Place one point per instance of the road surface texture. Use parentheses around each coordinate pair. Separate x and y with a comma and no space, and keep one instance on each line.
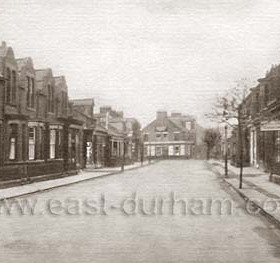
(137,216)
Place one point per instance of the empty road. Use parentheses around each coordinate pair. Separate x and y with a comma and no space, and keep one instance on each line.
(172,211)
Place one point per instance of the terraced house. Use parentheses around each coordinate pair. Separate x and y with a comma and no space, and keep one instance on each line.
(39,134)
(45,135)
(124,136)
(261,127)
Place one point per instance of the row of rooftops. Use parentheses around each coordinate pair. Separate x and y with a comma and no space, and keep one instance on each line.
(40,74)
(272,75)
(115,117)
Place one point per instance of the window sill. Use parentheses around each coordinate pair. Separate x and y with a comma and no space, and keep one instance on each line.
(35,161)
(58,159)
(10,104)
(13,162)
(10,162)
(31,109)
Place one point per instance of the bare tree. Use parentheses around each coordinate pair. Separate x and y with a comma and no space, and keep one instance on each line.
(228,109)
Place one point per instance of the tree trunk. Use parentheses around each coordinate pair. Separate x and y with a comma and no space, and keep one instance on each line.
(240,135)
(208,152)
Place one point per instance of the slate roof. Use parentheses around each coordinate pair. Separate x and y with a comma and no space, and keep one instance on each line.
(42,73)
(6,51)
(114,131)
(21,62)
(83,102)
(162,125)
(3,51)
(100,128)
(40,76)
(61,82)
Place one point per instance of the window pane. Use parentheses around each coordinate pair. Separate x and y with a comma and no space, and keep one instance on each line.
(177,150)
(12,149)
(13,141)
(31,145)
(188,125)
(52,143)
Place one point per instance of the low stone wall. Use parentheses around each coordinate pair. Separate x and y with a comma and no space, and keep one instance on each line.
(32,169)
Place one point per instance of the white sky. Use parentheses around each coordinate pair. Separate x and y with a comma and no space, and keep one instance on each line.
(143,55)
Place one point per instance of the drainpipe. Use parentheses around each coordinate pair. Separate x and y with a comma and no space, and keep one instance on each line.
(123,155)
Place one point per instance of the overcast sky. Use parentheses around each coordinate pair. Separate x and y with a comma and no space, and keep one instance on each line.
(144,55)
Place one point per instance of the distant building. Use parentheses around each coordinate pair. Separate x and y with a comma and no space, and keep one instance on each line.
(133,131)
(83,110)
(173,136)
(124,136)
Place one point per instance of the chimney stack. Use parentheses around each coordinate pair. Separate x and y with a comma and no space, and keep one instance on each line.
(3,44)
(161,115)
(105,109)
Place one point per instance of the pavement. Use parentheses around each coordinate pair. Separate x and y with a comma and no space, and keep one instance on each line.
(129,217)
(84,175)
(257,188)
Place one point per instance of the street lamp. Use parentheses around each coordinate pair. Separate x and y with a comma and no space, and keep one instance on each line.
(142,153)
(150,151)
(226,151)
(225,114)
(123,157)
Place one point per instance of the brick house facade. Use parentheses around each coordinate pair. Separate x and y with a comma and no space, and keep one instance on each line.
(172,136)
(39,134)
(124,137)
(261,124)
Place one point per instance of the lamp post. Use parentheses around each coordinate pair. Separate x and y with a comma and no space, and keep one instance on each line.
(123,157)
(225,114)
(142,153)
(150,151)
(226,151)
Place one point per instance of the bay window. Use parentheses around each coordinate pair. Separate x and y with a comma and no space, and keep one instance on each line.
(188,125)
